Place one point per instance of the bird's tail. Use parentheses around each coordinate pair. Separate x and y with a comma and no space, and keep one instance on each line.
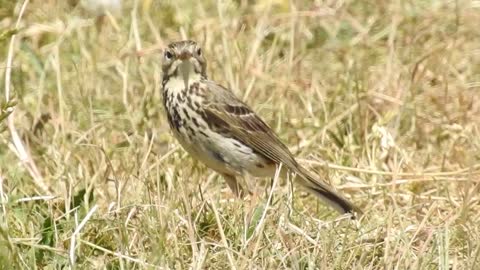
(322,190)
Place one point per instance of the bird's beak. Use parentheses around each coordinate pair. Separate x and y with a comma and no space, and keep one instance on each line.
(185,66)
(185,55)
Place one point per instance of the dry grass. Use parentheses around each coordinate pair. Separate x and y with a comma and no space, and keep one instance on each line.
(381,98)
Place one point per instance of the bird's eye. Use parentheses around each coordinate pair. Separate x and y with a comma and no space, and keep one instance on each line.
(199,52)
(168,55)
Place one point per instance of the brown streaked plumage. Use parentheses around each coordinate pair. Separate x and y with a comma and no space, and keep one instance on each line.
(218,129)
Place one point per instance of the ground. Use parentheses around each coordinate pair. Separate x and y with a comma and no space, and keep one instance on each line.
(380,99)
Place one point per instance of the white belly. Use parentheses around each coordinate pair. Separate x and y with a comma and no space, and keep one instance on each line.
(227,155)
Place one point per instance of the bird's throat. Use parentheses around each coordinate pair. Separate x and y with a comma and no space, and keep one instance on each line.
(182,79)
(185,69)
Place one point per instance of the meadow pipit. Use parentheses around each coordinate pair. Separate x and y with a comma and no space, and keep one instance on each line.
(218,129)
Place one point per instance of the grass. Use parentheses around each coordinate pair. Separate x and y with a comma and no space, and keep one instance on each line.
(380,99)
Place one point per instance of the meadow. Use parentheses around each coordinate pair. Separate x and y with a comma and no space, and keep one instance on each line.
(379,98)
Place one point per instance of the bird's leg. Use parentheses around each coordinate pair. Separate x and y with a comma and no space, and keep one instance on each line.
(252,203)
(233,184)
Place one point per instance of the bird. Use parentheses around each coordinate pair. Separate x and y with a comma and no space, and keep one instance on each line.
(223,132)
(100,9)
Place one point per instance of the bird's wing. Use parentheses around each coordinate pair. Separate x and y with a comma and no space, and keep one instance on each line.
(228,114)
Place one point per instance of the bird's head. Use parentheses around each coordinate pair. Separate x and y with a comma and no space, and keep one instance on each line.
(183,60)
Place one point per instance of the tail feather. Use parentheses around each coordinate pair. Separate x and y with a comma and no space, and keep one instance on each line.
(326,193)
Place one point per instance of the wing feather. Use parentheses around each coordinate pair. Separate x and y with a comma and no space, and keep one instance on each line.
(240,121)
(229,115)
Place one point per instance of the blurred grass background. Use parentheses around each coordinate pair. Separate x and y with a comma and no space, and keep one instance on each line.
(381,98)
